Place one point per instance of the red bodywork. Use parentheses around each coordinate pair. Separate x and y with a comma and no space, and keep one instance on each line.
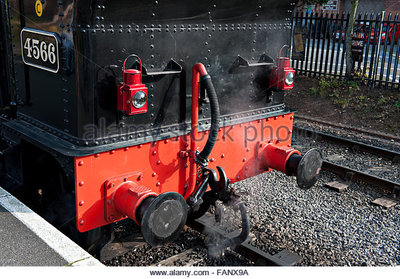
(164,166)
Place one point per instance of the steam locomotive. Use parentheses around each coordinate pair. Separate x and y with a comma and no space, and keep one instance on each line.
(147,110)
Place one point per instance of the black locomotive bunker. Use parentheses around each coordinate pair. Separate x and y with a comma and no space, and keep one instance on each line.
(52,114)
(74,110)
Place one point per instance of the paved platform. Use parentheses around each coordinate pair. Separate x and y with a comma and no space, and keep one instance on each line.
(26,239)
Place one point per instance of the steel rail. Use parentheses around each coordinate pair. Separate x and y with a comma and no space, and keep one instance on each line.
(354,145)
(349,174)
(368,132)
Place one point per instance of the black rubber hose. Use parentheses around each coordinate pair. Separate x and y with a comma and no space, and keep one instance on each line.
(212,137)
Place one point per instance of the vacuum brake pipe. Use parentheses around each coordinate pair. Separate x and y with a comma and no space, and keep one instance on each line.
(199,73)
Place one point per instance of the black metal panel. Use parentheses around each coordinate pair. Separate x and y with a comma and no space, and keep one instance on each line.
(44,97)
(6,80)
(78,104)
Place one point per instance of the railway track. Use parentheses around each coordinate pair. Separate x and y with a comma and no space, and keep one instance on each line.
(349,128)
(351,174)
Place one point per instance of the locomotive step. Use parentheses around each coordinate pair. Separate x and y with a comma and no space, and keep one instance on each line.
(28,240)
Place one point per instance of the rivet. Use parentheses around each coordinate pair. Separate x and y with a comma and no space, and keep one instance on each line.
(81,222)
(126,148)
(238,177)
(166,141)
(81,203)
(153,174)
(212,159)
(247,149)
(244,160)
(125,179)
(81,183)
(289,145)
(96,155)
(266,119)
(158,162)
(140,145)
(158,184)
(112,151)
(140,177)
(291,117)
(80,163)
(186,165)
(222,155)
(154,152)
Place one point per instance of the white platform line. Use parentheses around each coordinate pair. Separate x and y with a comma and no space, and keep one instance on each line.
(64,246)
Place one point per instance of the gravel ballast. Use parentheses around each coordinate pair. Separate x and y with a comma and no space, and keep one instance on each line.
(322,226)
